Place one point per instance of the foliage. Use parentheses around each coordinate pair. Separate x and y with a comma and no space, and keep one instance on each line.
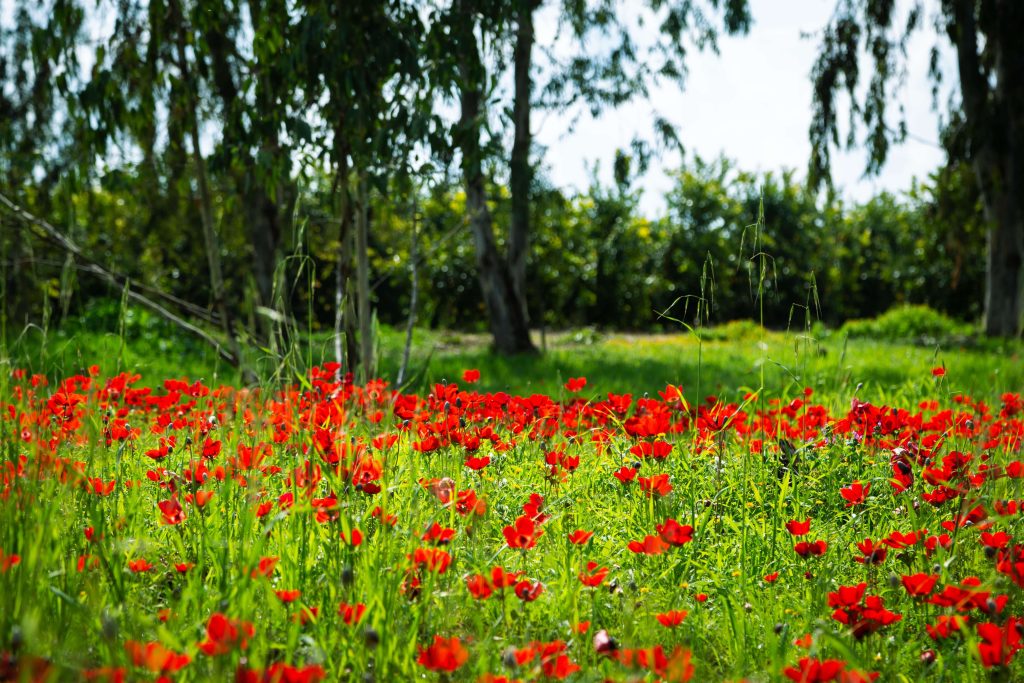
(908,323)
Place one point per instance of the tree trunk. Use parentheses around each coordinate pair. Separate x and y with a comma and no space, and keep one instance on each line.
(345,350)
(414,276)
(993,110)
(206,205)
(520,178)
(1003,282)
(366,364)
(504,309)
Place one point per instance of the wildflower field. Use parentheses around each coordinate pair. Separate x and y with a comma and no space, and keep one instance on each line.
(171,529)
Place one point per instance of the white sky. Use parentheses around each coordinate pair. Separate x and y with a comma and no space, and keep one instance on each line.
(751,103)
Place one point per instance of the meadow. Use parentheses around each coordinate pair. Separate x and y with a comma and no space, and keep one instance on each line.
(727,504)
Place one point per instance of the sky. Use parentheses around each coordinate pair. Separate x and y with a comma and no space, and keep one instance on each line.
(752,103)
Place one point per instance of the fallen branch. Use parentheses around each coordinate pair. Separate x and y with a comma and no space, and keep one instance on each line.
(117,279)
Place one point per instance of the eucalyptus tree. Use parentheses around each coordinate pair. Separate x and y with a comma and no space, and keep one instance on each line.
(361,72)
(479,34)
(985,122)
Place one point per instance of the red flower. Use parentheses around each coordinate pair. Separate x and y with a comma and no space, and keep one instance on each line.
(672,618)
(939,372)
(524,534)
(438,534)
(919,584)
(870,553)
(354,539)
(575,384)
(351,614)
(651,545)
(658,484)
(805,549)
(288,595)
(625,474)
(945,625)
(855,494)
(444,654)
(1000,539)
(502,579)
(528,591)
(265,567)
(171,511)
(771,578)
(580,537)
(433,559)
(224,635)
(1000,644)
(471,376)
(798,528)
(140,565)
(814,670)
(594,576)
(674,533)
(478,586)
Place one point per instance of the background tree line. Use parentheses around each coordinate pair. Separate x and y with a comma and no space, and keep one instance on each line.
(241,165)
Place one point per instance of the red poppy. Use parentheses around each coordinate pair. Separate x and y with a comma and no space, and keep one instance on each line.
(140,565)
(479,587)
(470,376)
(288,595)
(502,579)
(672,618)
(771,578)
(919,584)
(855,494)
(265,567)
(798,528)
(580,537)
(813,670)
(674,533)
(224,635)
(806,549)
(172,511)
(656,485)
(528,591)
(351,614)
(524,534)
(575,384)
(444,654)
(625,474)
(438,534)
(594,576)
(870,553)
(651,545)
(432,559)
(945,625)
(999,643)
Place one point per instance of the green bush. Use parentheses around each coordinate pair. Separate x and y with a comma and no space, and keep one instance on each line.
(919,324)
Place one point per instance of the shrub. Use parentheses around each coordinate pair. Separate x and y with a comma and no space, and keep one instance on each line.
(917,324)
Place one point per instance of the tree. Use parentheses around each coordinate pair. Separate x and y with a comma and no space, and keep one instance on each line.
(601,79)
(361,71)
(987,123)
